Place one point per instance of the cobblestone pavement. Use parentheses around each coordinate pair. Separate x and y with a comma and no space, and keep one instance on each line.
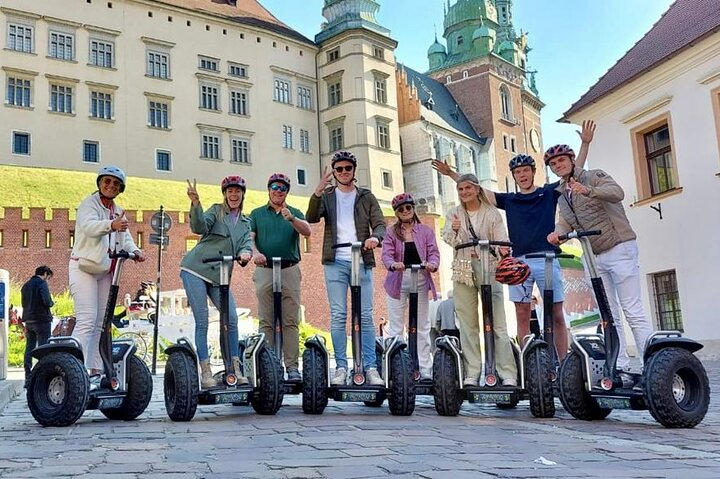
(354,441)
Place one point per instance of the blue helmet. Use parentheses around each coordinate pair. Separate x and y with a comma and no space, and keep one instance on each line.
(521,160)
(113,171)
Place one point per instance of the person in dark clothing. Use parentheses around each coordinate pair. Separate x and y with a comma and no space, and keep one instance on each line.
(36,302)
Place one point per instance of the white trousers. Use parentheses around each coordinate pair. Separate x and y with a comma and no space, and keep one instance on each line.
(398,319)
(90,294)
(620,272)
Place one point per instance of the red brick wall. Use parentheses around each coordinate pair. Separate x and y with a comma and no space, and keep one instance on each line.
(21,261)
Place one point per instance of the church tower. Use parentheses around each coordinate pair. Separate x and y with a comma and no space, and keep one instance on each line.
(485,68)
(357,94)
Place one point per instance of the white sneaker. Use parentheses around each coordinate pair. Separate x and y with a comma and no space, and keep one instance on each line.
(509,382)
(469,381)
(425,374)
(373,378)
(339,378)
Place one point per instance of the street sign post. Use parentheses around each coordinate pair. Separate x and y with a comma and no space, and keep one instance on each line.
(161,224)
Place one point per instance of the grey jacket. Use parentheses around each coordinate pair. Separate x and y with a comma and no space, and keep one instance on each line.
(601,210)
(369,221)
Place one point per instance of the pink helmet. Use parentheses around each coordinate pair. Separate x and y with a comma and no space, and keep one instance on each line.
(232,180)
(281,177)
(402,199)
(559,150)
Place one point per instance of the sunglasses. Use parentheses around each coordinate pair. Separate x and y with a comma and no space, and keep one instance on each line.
(404,208)
(347,168)
(279,187)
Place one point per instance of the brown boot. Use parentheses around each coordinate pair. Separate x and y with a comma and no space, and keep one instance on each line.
(207,381)
(242,380)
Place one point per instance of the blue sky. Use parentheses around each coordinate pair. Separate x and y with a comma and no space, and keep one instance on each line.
(574,42)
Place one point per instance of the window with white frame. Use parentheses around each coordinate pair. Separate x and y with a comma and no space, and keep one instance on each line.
(238,102)
(207,63)
(240,150)
(20,143)
(20,37)
(304,97)
(301,177)
(102,53)
(379,52)
(380,89)
(287,136)
(158,114)
(282,91)
(158,65)
(61,98)
(387,179)
(335,93)
(209,96)
(333,54)
(101,105)
(61,45)
(163,160)
(19,92)
(304,141)
(383,135)
(237,70)
(91,151)
(210,146)
(336,138)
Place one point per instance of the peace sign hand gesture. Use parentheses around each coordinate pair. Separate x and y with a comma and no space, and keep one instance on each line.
(192,192)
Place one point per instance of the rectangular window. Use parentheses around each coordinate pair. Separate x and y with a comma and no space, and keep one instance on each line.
(101,105)
(158,114)
(61,46)
(335,93)
(380,90)
(287,136)
(301,177)
(304,141)
(210,147)
(25,238)
(238,102)
(240,150)
(162,160)
(379,52)
(336,139)
(333,55)
(101,53)
(659,158)
(91,151)
(206,63)
(282,91)
(48,239)
(505,142)
(238,70)
(19,92)
(158,65)
(383,132)
(387,179)
(304,98)
(668,313)
(512,144)
(61,99)
(20,38)
(20,143)
(209,97)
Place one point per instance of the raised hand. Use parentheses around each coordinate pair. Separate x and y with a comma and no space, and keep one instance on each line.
(325,180)
(577,188)
(442,167)
(192,192)
(119,224)
(456,223)
(588,131)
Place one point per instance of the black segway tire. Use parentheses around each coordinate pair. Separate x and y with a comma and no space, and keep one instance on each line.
(447,391)
(402,386)
(139,393)
(180,386)
(677,388)
(573,394)
(315,382)
(538,384)
(59,390)
(268,397)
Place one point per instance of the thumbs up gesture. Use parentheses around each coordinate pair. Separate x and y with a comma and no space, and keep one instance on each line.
(456,223)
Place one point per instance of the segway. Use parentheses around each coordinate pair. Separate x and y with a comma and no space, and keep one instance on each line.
(182,383)
(59,391)
(448,389)
(398,388)
(423,387)
(674,385)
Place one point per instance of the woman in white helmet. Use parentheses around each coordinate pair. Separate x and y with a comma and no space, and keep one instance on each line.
(100,227)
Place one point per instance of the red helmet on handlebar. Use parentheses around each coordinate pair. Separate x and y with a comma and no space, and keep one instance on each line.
(512,271)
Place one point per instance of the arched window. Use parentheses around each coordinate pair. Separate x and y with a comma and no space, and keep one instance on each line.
(506,103)
(460,40)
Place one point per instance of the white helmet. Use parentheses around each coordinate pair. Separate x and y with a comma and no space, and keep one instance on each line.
(113,171)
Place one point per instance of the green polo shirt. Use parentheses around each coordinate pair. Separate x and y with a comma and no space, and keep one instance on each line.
(274,235)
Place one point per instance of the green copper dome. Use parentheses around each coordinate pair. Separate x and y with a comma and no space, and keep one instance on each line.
(483,32)
(437,47)
(464,11)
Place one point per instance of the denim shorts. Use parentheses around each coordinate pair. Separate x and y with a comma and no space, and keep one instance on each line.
(522,293)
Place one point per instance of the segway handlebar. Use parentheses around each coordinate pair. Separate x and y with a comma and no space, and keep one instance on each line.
(579,234)
(220,259)
(479,242)
(122,254)
(552,255)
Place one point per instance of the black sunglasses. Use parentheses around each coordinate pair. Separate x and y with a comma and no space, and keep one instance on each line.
(405,207)
(340,169)
(279,187)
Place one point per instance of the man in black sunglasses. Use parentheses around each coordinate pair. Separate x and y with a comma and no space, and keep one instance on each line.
(276,228)
(351,214)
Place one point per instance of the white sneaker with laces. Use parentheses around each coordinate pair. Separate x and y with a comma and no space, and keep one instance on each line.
(470,381)
(340,377)
(509,382)
(373,378)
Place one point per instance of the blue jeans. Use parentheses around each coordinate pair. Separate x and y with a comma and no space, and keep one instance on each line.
(337,282)
(197,291)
